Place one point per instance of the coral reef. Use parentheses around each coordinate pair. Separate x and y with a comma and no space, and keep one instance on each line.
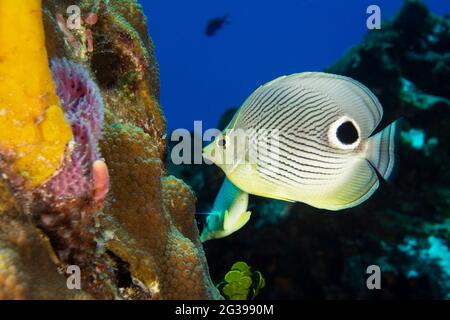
(151,219)
(304,252)
(141,242)
(27,267)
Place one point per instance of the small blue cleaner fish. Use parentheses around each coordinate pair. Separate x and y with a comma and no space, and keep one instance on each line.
(327,155)
(229,213)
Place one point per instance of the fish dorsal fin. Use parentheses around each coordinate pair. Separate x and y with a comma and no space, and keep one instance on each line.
(352,98)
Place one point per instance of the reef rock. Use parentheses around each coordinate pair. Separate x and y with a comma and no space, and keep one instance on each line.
(143,242)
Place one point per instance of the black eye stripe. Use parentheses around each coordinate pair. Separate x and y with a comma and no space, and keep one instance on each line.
(222,142)
(347,133)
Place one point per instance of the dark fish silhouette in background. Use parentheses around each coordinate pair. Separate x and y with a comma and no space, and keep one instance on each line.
(215,25)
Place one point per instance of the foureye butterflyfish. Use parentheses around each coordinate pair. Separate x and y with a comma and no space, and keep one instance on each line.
(308,137)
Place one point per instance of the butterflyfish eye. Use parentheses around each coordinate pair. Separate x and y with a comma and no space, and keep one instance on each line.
(222,142)
(347,133)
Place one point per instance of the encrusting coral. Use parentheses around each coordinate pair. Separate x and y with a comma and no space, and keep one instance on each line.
(142,241)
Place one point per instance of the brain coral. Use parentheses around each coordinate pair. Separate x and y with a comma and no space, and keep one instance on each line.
(143,243)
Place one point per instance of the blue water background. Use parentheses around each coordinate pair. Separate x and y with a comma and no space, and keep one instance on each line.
(203,76)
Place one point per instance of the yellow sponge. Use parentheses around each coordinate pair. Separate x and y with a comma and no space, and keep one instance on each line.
(32,124)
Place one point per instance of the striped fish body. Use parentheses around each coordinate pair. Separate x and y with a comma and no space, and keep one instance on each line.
(308,137)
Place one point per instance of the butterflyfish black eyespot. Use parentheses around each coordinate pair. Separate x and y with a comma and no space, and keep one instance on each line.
(347,133)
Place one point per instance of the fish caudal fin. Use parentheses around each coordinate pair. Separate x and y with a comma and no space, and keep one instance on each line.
(381,151)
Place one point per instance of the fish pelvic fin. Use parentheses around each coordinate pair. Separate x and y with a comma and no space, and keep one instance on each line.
(382,150)
(233,224)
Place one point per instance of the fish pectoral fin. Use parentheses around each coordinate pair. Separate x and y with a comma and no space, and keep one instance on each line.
(234,223)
